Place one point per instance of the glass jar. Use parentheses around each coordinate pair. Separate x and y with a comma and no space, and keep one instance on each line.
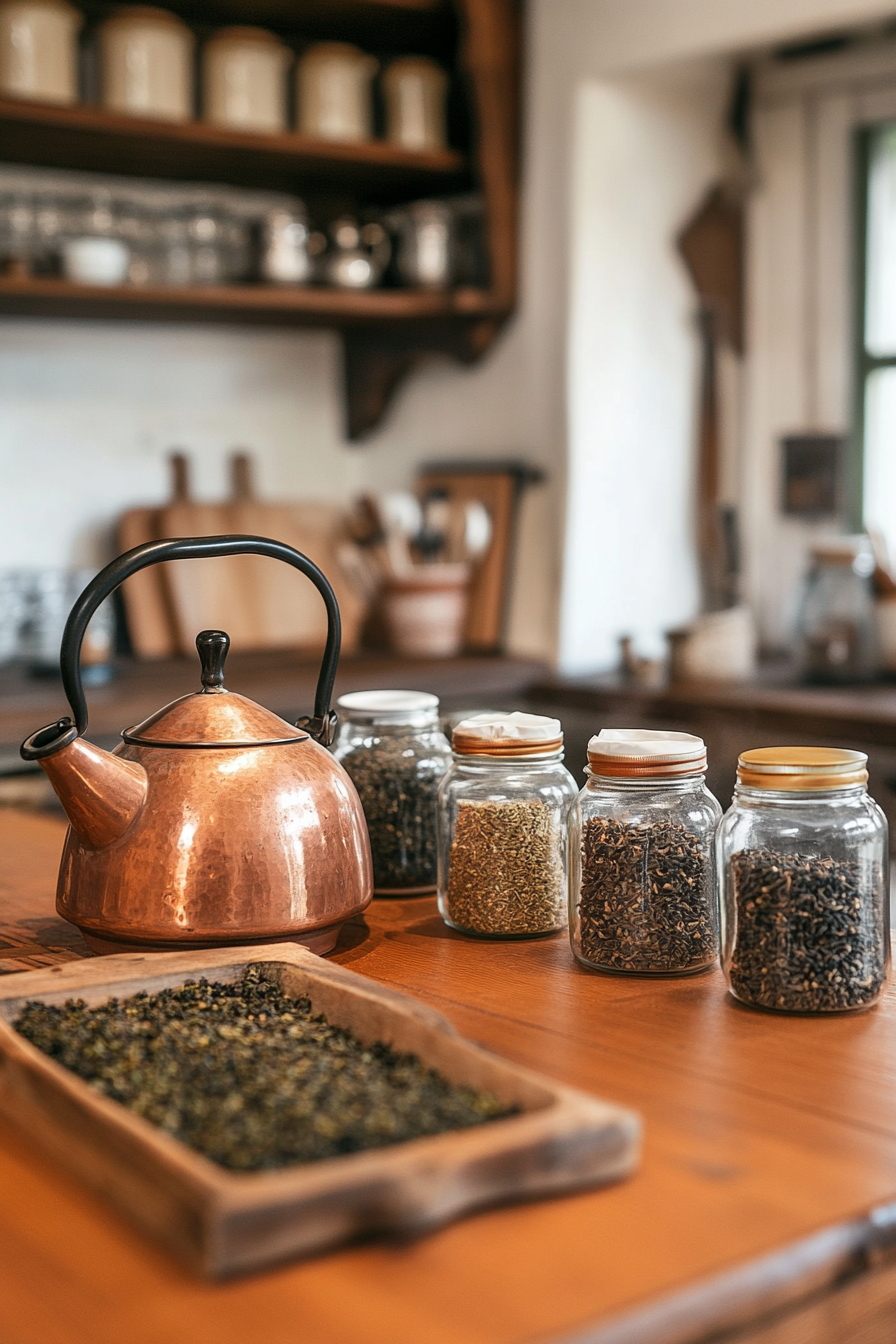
(391,745)
(642,896)
(803,869)
(837,627)
(502,827)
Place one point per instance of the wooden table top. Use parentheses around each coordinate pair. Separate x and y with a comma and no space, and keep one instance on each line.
(765,1205)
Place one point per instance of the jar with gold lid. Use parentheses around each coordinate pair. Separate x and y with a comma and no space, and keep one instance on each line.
(641,875)
(502,827)
(803,870)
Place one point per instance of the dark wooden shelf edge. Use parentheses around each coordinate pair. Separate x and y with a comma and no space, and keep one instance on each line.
(96,139)
(262,304)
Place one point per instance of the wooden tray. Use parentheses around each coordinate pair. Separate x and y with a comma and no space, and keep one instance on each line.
(220,1222)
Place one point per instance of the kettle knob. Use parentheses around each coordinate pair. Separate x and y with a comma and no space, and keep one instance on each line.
(212,646)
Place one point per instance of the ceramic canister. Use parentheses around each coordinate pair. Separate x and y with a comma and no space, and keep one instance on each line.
(39,50)
(243,79)
(415,89)
(333,92)
(147,64)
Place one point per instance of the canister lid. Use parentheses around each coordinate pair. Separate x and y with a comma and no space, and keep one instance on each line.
(398,707)
(495,733)
(802,768)
(645,753)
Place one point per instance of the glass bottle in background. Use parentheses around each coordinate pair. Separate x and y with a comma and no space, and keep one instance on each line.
(642,896)
(502,827)
(837,626)
(392,746)
(803,867)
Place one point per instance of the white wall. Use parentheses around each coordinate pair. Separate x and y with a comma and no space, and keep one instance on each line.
(629,562)
(91,410)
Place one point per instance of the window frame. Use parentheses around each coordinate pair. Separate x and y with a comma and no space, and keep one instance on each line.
(865,363)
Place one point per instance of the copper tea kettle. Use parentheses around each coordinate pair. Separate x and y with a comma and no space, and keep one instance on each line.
(215,821)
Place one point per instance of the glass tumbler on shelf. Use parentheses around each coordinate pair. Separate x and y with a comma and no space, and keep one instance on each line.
(206,253)
(391,745)
(174,249)
(18,231)
(502,827)
(803,870)
(642,896)
(50,223)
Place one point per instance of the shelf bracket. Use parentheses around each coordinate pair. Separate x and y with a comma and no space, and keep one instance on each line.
(377,359)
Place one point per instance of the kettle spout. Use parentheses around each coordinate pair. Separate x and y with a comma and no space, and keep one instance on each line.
(100,793)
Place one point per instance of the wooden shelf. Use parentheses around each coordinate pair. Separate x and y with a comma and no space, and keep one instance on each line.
(92,138)
(385,333)
(262,304)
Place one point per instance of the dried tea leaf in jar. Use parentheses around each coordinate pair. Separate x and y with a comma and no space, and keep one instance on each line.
(391,745)
(502,827)
(803,865)
(642,882)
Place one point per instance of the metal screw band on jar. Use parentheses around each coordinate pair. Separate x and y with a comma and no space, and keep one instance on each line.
(634,753)
(515,735)
(802,769)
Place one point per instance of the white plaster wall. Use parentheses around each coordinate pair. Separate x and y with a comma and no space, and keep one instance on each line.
(629,563)
(91,410)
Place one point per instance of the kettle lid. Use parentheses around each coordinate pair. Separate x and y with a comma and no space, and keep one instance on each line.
(213,717)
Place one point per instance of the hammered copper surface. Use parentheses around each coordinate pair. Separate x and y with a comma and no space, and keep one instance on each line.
(101,794)
(214,716)
(203,845)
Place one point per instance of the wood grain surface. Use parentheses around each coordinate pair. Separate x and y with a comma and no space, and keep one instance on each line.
(765,1209)
(261,603)
(221,1222)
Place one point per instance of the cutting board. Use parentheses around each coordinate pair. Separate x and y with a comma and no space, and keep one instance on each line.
(261,603)
(220,1223)
(498,487)
(146,599)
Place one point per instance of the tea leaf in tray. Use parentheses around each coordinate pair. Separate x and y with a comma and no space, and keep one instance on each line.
(250,1077)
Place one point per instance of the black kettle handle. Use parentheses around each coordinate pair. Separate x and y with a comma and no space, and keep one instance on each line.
(322,726)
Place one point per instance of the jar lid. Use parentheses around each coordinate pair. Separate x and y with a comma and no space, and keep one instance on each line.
(389,706)
(802,768)
(495,733)
(645,753)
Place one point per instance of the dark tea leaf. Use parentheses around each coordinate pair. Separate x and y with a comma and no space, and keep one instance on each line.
(250,1077)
